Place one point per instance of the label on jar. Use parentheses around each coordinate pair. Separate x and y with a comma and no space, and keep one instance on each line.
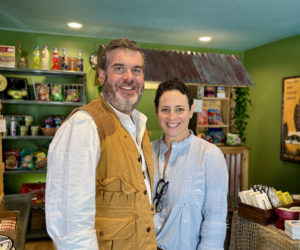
(2,125)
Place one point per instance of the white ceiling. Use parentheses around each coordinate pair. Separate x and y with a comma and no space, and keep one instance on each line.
(233,24)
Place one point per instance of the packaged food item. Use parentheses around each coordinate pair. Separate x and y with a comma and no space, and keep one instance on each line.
(53,121)
(7,56)
(221,92)
(202,117)
(210,91)
(72,95)
(57,93)
(42,91)
(36,189)
(26,156)
(49,122)
(217,135)
(233,139)
(40,159)
(57,121)
(214,117)
(12,158)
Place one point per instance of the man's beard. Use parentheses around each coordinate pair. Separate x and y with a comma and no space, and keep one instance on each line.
(118,101)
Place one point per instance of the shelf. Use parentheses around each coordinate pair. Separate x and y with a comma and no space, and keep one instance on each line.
(54,73)
(213,126)
(41,102)
(215,98)
(27,137)
(34,171)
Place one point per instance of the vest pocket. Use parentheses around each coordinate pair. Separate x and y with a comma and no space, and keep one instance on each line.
(114,193)
(115,233)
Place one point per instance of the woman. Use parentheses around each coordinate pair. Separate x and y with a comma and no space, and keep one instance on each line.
(190,180)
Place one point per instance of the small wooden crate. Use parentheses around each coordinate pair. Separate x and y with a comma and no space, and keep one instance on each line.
(260,216)
(10,215)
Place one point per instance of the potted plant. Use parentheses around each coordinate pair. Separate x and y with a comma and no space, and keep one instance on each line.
(240,115)
(23,60)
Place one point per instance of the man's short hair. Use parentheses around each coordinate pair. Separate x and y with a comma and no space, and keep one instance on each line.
(120,43)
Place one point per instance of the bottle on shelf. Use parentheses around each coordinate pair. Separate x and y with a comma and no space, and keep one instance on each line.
(72,62)
(80,61)
(36,58)
(13,126)
(55,59)
(64,60)
(45,58)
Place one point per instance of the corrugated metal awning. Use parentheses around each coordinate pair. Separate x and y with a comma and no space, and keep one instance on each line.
(201,68)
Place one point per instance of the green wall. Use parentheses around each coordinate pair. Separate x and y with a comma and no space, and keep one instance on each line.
(267,65)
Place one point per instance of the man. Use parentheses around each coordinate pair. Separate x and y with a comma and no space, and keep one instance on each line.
(100,169)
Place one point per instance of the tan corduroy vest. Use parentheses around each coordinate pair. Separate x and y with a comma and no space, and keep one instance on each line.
(124,216)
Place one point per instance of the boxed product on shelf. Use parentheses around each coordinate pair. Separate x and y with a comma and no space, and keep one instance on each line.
(7,56)
(221,92)
(210,91)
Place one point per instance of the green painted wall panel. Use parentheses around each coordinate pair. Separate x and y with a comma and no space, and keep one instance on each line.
(267,65)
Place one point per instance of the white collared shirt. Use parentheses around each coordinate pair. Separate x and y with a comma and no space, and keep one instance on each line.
(70,190)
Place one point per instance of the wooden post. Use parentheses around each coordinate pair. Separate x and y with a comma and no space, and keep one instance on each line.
(1,163)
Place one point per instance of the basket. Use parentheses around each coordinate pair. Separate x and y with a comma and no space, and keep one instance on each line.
(48,131)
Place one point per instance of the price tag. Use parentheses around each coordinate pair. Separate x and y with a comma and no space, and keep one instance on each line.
(2,125)
(198,105)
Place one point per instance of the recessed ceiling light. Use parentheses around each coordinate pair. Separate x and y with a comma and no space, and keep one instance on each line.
(75,25)
(204,38)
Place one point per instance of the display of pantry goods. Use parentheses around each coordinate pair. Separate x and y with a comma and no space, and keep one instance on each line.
(41,58)
(265,197)
(25,159)
(57,92)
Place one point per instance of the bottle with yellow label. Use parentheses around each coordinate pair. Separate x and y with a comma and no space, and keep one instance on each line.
(36,58)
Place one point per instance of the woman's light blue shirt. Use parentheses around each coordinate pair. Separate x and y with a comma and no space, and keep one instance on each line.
(194,209)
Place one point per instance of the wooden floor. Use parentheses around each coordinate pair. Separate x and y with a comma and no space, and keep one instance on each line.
(39,245)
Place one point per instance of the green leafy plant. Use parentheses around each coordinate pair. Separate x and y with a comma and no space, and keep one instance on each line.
(240,115)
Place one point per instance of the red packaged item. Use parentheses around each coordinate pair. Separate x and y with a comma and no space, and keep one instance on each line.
(37,190)
(202,117)
(12,158)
